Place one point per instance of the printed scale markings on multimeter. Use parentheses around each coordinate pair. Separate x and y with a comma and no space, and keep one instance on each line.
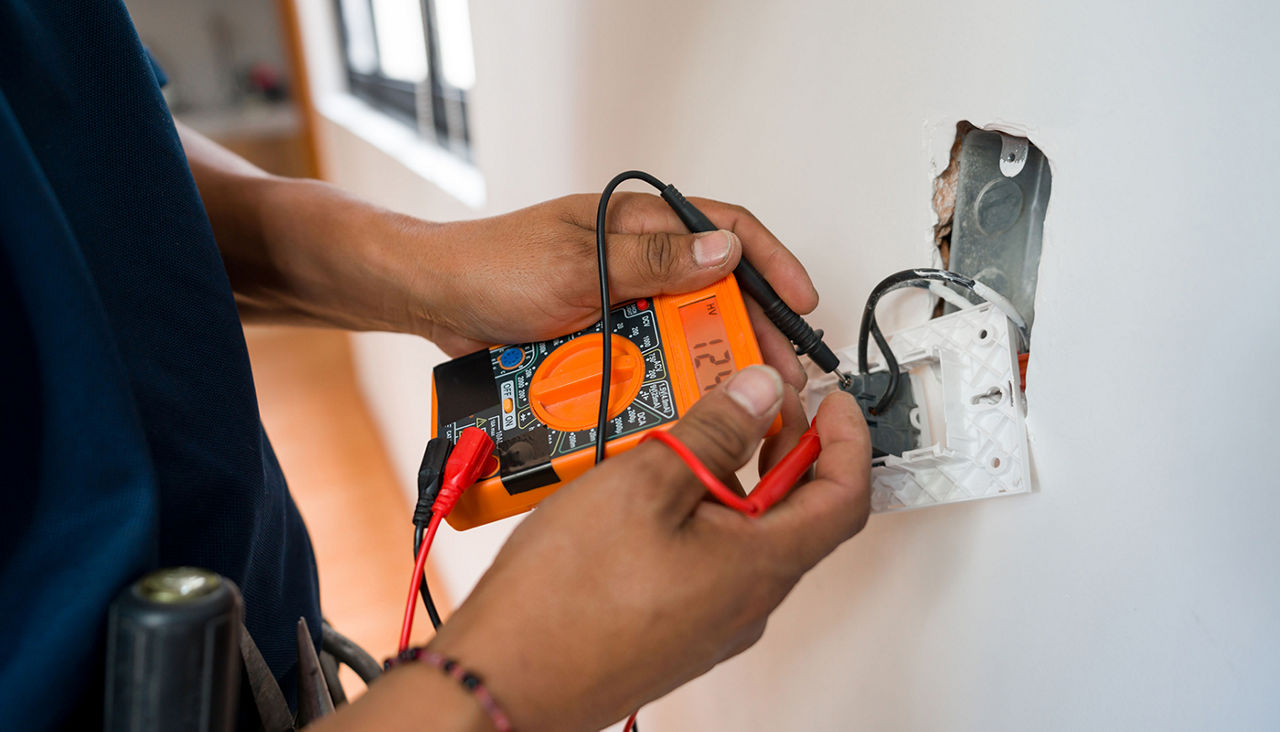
(540,401)
(514,368)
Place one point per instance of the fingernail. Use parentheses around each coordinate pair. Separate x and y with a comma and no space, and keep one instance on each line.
(712,248)
(757,388)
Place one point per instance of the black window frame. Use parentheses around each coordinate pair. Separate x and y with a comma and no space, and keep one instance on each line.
(439,110)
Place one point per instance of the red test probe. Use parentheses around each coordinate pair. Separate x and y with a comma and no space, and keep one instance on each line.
(773,486)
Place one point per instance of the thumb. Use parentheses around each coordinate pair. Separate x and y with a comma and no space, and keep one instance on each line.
(722,429)
(641,265)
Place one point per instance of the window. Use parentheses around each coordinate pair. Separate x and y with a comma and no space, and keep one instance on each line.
(412,59)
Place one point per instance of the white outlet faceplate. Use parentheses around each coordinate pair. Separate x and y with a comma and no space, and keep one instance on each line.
(970,412)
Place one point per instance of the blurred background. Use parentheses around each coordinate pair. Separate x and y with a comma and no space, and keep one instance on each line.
(1134,589)
(233,75)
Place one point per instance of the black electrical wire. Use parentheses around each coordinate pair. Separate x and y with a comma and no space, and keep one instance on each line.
(891,364)
(869,327)
(606,321)
(423,590)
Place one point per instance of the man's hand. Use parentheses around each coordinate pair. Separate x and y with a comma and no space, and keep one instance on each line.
(628,582)
(304,251)
(532,274)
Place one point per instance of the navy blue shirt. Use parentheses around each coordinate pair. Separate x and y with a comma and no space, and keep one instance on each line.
(129,432)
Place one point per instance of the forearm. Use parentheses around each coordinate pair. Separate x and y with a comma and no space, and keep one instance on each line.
(302,251)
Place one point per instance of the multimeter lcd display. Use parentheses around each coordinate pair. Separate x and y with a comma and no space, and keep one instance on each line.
(708,343)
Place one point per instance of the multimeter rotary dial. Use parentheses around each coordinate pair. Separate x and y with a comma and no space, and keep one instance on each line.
(564,392)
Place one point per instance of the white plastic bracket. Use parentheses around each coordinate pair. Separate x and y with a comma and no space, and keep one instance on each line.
(970,412)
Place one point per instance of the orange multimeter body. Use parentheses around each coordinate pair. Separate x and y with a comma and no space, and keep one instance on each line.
(540,401)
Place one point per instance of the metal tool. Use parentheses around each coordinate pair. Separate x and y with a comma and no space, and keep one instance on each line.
(314,700)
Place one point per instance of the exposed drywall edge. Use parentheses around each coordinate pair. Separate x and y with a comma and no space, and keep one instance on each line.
(943,200)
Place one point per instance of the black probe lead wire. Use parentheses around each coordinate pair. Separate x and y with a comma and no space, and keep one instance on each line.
(606,321)
(423,590)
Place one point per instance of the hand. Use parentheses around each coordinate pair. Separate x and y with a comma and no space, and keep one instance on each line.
(627,583)
(532,274)
(305,252)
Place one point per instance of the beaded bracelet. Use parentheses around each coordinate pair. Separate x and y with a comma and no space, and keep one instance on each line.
(469,681)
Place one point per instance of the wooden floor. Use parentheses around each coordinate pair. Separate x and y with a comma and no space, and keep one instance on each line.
(341,479)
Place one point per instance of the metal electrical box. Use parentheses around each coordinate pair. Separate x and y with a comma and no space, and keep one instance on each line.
(1002,192)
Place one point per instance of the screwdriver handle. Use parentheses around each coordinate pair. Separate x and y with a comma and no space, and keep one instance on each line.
(173,653)
(806,340)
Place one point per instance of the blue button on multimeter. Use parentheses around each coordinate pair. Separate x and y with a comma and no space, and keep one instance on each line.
(511,358)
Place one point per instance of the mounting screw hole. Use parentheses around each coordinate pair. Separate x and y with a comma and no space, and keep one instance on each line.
(982,334)
(995,462)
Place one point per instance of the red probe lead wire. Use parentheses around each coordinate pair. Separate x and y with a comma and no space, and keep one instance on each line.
(420,566)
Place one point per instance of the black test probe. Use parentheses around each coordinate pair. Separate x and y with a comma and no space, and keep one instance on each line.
(806,340)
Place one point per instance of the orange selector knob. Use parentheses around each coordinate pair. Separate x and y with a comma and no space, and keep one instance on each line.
(565,391)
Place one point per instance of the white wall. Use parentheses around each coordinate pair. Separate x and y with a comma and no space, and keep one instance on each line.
(1138,587)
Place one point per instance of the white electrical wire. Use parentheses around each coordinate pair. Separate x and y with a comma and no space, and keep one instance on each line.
(1005,306)
(949,295)
(1000,302)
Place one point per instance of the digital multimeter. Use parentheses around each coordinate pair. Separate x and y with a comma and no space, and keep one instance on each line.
(540,401)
